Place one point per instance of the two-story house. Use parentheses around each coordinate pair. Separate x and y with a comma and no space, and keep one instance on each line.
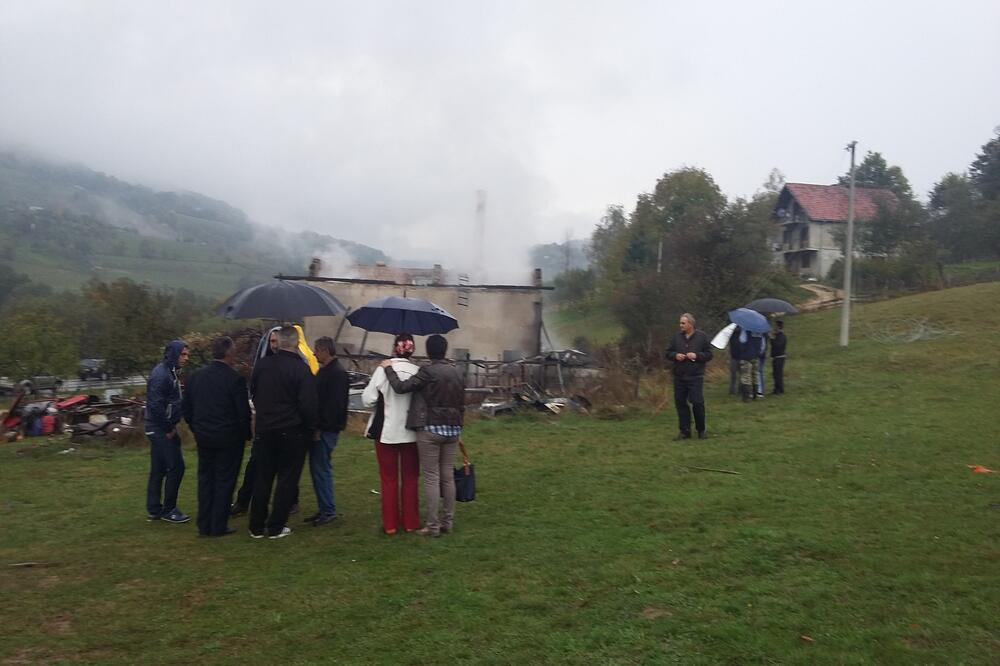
(807,216)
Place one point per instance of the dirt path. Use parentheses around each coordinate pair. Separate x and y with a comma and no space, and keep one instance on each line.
(824,297)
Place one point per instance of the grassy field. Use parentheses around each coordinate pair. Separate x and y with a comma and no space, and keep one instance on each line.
(854,533)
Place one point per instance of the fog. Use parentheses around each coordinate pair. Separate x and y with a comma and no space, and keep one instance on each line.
(378,121)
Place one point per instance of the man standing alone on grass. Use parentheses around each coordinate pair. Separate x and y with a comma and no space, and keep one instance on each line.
(332,390)
(689,351)
(778,345)
(284,394)
(163,412)
(436,414)
(217,408)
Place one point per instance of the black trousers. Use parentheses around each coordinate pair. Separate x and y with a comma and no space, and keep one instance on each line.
(778,374)
(218,468)
(245,493)
(690,389)
(280,455)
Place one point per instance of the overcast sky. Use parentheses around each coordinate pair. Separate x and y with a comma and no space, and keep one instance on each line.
(378,121)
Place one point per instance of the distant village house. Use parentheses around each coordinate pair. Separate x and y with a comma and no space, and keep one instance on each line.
(807,216)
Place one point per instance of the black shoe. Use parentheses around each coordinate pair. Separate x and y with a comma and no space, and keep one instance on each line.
(702,434)
(312,518)
(682,435)
(229,530)
(176,516)
(324,519)
(237,510)
(294,510)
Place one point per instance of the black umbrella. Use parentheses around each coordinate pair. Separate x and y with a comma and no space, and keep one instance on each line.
(282,300)
(771,305)
(397,315)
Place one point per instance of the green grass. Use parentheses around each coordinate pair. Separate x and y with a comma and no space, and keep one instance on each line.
(599,326)
(853,522)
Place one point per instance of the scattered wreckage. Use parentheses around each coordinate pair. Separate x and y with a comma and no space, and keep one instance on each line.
(80,416)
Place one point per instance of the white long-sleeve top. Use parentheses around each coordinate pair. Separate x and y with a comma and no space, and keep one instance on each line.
(397,405)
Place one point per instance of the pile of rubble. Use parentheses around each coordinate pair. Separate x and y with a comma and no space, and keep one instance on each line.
(80,416)
(530,397)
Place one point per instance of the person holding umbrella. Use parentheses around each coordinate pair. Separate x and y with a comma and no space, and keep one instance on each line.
(778,344)
(689,351)
(395,444)
(436,415)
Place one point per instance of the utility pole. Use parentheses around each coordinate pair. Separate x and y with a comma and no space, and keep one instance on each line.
(845,312)
(480,273)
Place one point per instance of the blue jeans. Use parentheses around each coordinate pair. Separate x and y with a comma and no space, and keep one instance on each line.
(166,469)
(321,471)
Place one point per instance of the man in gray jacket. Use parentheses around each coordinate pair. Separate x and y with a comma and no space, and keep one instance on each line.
(436,414)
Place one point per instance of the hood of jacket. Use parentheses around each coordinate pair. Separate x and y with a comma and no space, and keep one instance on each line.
(172,352)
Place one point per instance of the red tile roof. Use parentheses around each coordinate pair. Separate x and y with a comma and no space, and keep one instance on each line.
(828,203)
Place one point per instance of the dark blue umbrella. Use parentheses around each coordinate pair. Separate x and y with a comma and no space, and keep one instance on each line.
(396,315)
(749,320)
(769,305)
(282,300)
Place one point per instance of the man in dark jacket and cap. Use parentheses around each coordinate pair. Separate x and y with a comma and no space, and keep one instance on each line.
(163,412)
(217,407)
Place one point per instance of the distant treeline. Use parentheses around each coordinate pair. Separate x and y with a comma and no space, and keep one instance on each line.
(686,247)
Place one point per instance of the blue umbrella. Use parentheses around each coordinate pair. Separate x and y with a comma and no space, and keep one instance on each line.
(396,315)
(749,320)
(282,300)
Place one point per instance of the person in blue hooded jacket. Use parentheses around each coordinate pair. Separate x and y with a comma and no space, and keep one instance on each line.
(163,411)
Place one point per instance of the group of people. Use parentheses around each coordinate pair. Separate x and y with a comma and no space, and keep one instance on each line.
(296,404)
(748,358)
(690,350)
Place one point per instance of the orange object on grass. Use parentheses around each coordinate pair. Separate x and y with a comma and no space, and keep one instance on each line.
(979,469)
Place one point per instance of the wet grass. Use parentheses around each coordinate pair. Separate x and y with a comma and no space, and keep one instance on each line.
(854,533)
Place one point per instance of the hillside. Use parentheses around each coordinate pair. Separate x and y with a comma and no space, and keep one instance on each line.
(63,224)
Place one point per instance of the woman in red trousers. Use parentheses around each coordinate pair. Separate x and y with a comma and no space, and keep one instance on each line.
(395,446)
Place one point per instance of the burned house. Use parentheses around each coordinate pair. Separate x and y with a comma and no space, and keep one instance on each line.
(497,322)
(809,218)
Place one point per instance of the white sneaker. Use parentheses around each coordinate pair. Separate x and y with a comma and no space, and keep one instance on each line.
(256,536)
(285,531)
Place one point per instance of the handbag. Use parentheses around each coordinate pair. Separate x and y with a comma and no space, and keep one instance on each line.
(378,421)
(465,478)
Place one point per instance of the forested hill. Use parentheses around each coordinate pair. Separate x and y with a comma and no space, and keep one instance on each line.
(62,224)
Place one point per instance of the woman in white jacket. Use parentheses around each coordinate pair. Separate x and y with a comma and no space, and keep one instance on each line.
(395,446)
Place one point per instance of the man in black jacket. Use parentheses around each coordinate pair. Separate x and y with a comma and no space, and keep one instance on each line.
(778,345)
(689,351)
(436,413)
(284,395)
(218,411)
(332,390)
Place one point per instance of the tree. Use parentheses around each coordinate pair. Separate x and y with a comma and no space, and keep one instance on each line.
(956,219)
(985,170)
(875,172)
(606,242)
(35,343)
(574,286)
(9,282)
(134,324)
(892,226)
